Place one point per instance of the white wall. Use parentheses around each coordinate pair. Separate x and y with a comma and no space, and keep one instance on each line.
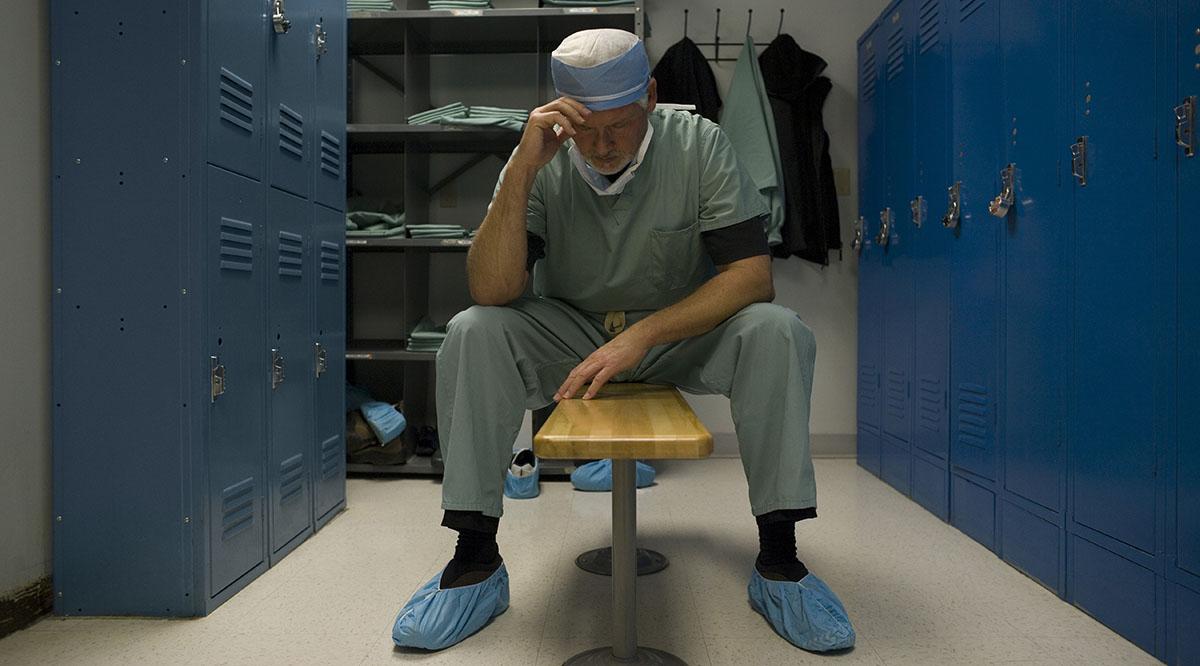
(24,297)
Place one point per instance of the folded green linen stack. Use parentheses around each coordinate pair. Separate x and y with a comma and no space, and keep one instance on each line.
(460,4)
(371,224)
(426,337)
(454,110)
(436,231)
(587,3)
(369,5)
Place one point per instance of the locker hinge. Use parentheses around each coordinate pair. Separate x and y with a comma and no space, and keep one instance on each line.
(216,378)
(277,371)
(1004,201)
(953,206)
(322,360)
(279,17)
(885,227)
(860,231)
(1079,160)
(322,41)
(1185,125)
(920,210)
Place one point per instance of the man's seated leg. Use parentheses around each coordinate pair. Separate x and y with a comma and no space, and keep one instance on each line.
(762,359)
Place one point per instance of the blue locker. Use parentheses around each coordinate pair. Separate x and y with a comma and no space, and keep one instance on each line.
(1038,251)
(872,185)
(292,368)
(1118,306)
(329,111)
(975,269)
(1184,496)
(235,233)
(291,55)
(236,85)
(329,309)
(930,252)
(894,241)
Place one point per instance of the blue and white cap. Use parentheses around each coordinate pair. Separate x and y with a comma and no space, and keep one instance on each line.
(603,68)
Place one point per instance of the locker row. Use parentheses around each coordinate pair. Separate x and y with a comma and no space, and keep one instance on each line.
(199,309)
(1029,321)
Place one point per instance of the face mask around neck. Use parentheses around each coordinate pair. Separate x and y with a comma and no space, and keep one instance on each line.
(598,181)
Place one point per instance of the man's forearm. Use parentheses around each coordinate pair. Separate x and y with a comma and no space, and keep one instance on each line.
(496,261)
(715,301)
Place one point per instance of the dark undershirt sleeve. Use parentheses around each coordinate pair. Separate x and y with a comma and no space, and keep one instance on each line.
(535,248)
(735,242)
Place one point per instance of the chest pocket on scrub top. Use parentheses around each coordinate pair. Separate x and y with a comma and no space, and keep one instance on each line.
(675,257)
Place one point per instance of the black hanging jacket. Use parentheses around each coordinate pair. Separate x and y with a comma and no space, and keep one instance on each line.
(797,92)
(684,77)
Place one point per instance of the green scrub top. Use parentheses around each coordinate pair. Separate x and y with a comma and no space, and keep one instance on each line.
(640,250)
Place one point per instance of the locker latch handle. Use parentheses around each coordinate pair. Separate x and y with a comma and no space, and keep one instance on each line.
(1003,202)
(322,41)
(1185,125)
(953,206)
(1079,160)
(322,360)
(277,369)
(860,231)
(216,378)
(279,17)
(920,210)
(885,227)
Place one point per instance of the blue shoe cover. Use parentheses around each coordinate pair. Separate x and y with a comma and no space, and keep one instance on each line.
(521,479)
(597,475)
(807,613)
(435,618)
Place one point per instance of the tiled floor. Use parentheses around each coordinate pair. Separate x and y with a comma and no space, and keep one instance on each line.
(918,591)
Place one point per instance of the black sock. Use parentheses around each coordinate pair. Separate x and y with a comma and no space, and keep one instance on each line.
(777,548)
(476,557)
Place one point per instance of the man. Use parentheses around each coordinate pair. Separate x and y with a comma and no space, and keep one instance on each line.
(649,263)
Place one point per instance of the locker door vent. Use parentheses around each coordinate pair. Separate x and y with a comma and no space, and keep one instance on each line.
(237,245)
(331,455)
(897,395)
(331,261)
(291,254)
(929,18)
(869,77)
(968,7)
(930,404)
(895,61)
(291,132)
(237,101)
(291,478)
(237,508)
(868,386)
(973,415)
(331,155)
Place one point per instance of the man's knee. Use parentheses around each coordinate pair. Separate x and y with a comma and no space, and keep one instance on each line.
(478,321)
(770,324)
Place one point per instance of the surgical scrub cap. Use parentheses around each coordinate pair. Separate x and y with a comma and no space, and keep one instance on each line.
(602,68)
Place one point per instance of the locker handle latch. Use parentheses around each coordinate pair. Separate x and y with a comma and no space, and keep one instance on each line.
(216,378)
(920,210)
(1185,125)
(277,369)
(322,360)
(885,227)
(953,206)
(860,231)
(1004,201)
(279,17)
(1079,160)
(322,41)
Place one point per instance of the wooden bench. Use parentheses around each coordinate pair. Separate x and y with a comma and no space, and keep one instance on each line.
(624,422)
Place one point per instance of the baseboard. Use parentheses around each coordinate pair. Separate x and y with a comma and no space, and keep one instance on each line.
(725,445)
(25,606)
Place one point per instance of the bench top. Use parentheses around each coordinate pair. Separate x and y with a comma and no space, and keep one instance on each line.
(643,421)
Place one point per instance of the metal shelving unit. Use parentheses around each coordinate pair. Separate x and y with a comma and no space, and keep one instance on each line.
(417,33)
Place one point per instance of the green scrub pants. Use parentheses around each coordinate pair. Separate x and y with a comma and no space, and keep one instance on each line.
(497,362)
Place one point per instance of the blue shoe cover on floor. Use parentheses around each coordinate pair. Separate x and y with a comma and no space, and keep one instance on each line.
(521,479)
(435,618)
(807,613)
(597,475)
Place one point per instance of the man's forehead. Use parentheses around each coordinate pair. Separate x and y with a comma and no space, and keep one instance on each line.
(599,119)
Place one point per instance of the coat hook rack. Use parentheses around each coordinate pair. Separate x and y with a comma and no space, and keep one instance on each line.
(716,43)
